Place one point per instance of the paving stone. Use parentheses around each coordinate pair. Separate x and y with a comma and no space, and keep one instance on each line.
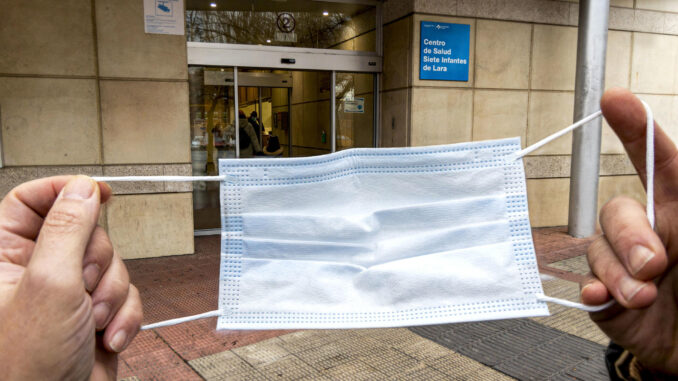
(459,367)
(262,353)
(326,356)
(288,368)
(422,372)
(225,366)
(389,361)
(577,265)
(354,371)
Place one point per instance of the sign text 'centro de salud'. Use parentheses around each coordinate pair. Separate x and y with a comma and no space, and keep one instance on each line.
(444,51)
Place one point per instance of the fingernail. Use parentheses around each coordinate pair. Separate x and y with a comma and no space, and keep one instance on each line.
(80,188)
(638,258)
(119,341)
(90,275)
(629,287)
(100,312)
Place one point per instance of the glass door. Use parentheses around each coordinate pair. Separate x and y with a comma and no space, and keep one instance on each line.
(275,113)
(354,105)
(212,117)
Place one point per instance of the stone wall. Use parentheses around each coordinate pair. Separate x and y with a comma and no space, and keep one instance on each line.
(522,77)
(84,90)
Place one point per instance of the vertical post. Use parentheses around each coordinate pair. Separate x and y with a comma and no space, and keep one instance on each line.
(333,111)
(589,87)
(289,122)
(260,117)
(379,40)
(237,110)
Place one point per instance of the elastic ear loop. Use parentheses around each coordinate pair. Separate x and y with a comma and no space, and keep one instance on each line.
(649,162)
(649,173)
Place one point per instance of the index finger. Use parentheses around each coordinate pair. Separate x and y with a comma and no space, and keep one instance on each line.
(626,115)
(23,210)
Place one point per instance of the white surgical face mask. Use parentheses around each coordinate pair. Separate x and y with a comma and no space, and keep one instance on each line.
(377,238)
(380,237)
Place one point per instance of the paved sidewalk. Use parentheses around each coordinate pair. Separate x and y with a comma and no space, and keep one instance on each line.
(565,345)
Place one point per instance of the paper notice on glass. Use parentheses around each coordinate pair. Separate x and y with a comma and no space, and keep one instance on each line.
(164,16)
(355,105)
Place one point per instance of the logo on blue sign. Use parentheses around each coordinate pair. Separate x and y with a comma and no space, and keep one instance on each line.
(444,51)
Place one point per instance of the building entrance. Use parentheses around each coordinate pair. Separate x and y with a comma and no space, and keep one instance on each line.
(277,113)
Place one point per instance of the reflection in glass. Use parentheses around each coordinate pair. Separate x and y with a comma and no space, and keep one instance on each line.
(294,23)
(355,110)
(212,117)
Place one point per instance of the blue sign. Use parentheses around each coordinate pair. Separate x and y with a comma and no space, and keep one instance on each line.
(444,51)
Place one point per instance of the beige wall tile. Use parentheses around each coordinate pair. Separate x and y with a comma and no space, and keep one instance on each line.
(153,225)
(618,59)
(397,54)
(446,7)
(125,50)
(648,21)
(547,166)
(394,118)
(550,112)
(653,66)
(622,3)
(621,18)
(415,49)
(671,23)
(441,116)
(554,57)
(614,165)
(548,201)
(145,122)
(613,186)
(394,9)
(47,121)
(10,177)
(47,37)
(134,187)
(658,5)
(499,114)
(503,56)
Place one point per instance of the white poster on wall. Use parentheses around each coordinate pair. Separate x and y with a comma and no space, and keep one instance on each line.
(164,16)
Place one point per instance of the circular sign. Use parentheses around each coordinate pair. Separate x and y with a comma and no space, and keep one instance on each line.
(286,22)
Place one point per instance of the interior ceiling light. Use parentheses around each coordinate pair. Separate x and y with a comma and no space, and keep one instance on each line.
(213,5)
(326,13)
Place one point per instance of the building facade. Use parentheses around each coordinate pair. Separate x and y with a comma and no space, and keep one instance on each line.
(84,89)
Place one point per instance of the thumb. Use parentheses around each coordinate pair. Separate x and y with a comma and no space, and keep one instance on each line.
(66,231)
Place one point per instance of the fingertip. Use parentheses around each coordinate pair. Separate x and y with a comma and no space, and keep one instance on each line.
(594,293)
(643,297)
(106,191)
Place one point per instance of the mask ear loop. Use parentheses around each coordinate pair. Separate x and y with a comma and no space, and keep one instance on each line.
(649,174)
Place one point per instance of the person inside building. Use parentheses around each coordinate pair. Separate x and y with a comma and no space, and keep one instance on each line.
(249,143)
(48,227)
(255,123)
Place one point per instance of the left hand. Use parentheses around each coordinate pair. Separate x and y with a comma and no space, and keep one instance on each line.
(60,282)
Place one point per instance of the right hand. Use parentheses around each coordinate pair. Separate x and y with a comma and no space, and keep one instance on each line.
(630,261)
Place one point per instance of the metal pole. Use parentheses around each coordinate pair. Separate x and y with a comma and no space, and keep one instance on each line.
(261,118)
(589,87)
(377,76)
(333,111)
(237,109)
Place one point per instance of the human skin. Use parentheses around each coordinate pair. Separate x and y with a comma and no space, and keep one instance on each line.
(631,262)
(66,305)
